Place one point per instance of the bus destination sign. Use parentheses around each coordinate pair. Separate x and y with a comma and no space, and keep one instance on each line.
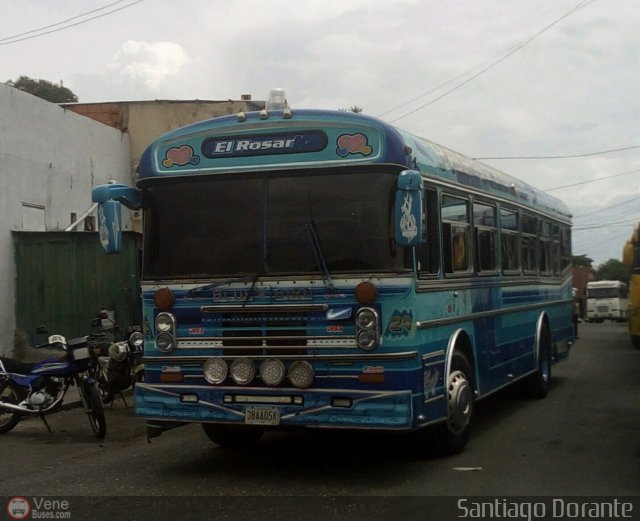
(265,144)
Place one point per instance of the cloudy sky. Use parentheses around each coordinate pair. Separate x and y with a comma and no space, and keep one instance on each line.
(550,87)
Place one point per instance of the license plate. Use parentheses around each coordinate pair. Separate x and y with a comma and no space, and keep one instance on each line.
(262,416)
(81,354)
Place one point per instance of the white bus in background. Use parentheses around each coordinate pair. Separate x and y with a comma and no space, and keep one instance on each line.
(607,299)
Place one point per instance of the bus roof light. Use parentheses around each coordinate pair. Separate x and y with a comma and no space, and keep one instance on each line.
(277,100)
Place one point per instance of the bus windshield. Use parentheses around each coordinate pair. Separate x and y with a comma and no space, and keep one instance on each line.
(616,292)
(224,225)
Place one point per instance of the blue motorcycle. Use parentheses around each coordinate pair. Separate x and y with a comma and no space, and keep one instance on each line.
(37,389)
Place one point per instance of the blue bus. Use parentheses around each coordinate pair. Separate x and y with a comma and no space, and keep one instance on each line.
(324,269)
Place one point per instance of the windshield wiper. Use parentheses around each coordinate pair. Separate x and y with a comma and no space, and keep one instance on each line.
(319,255)
(208,287)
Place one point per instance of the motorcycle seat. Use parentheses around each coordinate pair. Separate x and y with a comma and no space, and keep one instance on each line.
(15,366)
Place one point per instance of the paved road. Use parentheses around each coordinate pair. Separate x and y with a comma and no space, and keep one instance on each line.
(582,440)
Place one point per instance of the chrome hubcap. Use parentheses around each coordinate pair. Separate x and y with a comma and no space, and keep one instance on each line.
(460,402)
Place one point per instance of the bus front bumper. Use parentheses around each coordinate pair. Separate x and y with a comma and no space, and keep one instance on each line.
(166,406)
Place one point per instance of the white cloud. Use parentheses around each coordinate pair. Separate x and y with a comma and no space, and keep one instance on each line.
(151,63)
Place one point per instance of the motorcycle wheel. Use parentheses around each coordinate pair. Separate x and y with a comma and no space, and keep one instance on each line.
(96,412)
(8,419)
(99,374)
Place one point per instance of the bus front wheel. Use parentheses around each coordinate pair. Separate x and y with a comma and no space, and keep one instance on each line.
(450,437)
(537,385)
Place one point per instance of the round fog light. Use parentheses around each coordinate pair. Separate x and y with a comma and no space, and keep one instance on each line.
(301,374)
(242,371)
(272,372)
(215,370)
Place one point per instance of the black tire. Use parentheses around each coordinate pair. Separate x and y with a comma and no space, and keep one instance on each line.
(537,385)
(232,437)
(96,411)
(9,419)
(99,374)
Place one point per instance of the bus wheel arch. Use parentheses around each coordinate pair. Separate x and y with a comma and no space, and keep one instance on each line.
(450,436)
(537,384)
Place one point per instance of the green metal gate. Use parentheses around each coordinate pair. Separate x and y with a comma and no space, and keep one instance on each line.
(63,279)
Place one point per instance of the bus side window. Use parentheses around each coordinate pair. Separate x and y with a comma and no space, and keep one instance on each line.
(546,259)
(429,250)
(455,231)
(529,244)
(509,241)
(484,220)
(565,248)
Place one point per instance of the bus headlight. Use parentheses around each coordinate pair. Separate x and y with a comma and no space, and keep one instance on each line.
(165,322)
(243,371)
(215,370)
(367,328)
(165,332)
(301,374)
(165,342)
(272,372)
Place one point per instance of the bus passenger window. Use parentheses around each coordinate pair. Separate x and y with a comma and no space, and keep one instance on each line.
(484,219)
(429,250)
(455,234)
(529,244)
(565,248)
(509,240)
(546,260)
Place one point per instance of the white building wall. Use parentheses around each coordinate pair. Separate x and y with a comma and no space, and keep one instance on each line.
(50,159)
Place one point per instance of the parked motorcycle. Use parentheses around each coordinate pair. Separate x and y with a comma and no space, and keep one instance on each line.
(37,389)
(120,367)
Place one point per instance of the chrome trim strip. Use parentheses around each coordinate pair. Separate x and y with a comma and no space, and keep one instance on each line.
(264,308)
(431,179)
(275,390)
(311,342)
(435,354)
(434,399)
(423,324)
(358,400)
(160,390)
(408,355)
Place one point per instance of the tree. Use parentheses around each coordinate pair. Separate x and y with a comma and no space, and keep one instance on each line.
(44,89)
(355,109)
(613,269)
(581,260)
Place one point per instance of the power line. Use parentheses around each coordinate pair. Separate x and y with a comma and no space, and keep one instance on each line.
(17,38)
(591,180)
(503,57)
(564,156)
(605,225)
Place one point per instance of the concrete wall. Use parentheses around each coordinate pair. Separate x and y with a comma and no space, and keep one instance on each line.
(144,121)
(50,159)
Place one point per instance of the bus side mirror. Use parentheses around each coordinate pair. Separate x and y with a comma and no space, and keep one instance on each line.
(110,198)
(110,226)
(408,214)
